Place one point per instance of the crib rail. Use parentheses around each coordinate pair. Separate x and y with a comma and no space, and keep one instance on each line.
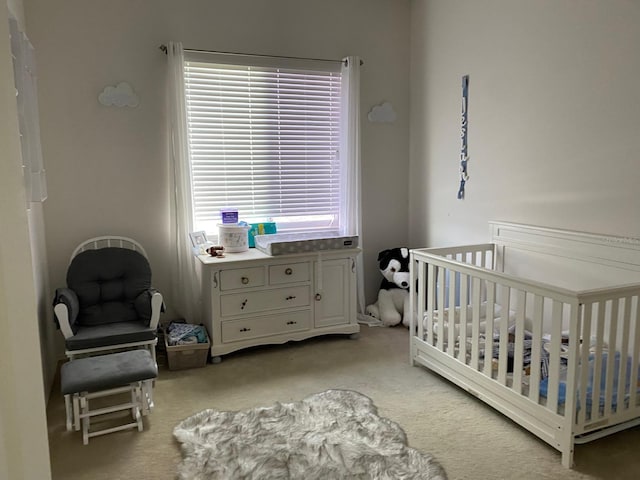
(536,352)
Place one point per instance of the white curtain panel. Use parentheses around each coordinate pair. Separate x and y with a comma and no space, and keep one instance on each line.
(185,276)
(350,208)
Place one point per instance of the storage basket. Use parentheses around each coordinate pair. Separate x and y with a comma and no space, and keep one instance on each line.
(180,357)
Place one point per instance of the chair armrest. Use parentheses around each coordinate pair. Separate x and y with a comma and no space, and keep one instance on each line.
(157,306)
(149,305)
(66,308)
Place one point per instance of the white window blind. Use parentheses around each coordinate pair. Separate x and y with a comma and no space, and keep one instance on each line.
(265,140)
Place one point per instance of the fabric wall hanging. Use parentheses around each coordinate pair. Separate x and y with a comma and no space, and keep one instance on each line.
(25,78)
(464,154)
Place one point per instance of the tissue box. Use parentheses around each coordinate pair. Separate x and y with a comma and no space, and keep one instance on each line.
(266,228)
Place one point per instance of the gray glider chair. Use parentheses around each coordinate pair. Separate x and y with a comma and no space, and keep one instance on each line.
(108,303)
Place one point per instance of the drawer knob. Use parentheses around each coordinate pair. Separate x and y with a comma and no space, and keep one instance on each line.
(291,322)
(243,304)
(245,329)
(288,271)
(290,297)
(244,280)
(318,297)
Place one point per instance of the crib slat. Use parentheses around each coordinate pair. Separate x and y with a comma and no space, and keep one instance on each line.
(503,351)
(633,395)
(464,300)
(430,300)
(442,273)
(624,352)
(418,305)
(518,352)
(554,357)
(488,332)
(451,342)
(584,362)
(596,363)
(536,349)
(414,313)
(611,359)
(475,327)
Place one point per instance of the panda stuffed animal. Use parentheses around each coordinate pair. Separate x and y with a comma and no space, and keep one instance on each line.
(392,307)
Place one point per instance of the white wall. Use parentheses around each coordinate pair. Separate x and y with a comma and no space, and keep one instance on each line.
(553,112)
(107,167)
(50,336)
(24,449)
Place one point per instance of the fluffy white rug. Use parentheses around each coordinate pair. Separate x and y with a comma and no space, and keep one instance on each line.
(335,434)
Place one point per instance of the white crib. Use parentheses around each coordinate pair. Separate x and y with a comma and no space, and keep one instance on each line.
(501,320)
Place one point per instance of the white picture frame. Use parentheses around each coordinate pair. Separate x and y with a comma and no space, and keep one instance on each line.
(198,238)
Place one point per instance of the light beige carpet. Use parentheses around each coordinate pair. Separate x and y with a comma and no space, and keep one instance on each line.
(468,438)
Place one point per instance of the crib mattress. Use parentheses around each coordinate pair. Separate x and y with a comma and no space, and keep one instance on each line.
(287,243)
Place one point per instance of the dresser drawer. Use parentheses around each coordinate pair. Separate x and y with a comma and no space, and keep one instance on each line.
(252,302)
(241,278)
(288,273)
(235,330)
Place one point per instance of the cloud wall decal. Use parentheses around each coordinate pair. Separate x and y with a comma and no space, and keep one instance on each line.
(122,95)
(382,113)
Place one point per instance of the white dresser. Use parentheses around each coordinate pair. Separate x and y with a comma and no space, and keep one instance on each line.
(250,298)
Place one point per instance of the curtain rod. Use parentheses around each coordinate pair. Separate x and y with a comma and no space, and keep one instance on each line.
(164,49)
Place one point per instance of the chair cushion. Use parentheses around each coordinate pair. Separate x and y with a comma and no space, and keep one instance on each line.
(93,336)
(107,371)
(107,282)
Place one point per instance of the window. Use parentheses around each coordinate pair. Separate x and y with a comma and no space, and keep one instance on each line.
(264,138)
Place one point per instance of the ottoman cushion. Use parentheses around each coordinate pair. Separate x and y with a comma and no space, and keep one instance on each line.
(107,371)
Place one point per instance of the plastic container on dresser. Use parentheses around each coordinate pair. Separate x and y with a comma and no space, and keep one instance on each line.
(251,298)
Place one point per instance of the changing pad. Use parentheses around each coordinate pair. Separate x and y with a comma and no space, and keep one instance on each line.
(286,243)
